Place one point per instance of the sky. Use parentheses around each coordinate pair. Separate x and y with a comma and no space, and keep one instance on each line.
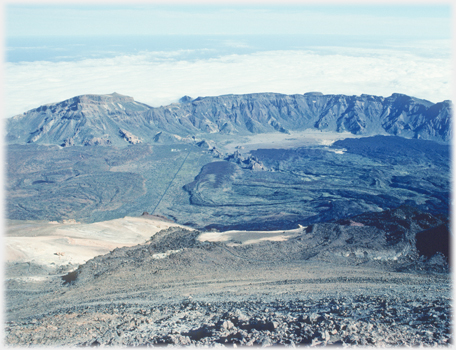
(38,20)
(158,53)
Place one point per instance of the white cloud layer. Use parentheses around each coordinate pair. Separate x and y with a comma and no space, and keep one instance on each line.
(159,78)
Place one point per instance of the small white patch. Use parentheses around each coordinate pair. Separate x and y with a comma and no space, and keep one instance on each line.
(164,255)
(337,151)
(327,142)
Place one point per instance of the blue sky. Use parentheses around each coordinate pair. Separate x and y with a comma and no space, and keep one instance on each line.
(425,21)
(159,53)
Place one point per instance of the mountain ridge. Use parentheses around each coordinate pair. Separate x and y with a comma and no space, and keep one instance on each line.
(106,119)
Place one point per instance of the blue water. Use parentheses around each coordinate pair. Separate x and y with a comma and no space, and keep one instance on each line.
(55,49)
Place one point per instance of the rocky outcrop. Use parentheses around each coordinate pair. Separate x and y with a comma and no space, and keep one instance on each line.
(94,141)
(164,137)
(246,162)
(185,99)
(206,144)
(129,137)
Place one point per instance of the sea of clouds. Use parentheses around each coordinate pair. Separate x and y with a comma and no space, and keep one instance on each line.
(160,78)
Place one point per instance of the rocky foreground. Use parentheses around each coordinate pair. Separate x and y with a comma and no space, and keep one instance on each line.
(329,284)
(388,309)
(398,317)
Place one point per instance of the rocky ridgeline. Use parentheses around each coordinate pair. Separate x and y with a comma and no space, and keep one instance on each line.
(119,120)
(356,242)
(388,320)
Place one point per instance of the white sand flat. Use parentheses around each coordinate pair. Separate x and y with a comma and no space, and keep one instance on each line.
(250,237)
(58,244)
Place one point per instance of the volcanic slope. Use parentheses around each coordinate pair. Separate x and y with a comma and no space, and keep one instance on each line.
(83,120)
(115,119)
(329,284)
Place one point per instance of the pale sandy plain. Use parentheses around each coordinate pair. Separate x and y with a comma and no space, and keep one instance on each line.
(52,244)
(58,244)
(283,141)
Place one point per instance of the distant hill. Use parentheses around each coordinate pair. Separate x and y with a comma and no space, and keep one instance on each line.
(116,119)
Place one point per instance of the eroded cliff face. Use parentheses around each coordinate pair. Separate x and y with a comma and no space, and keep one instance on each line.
(398,114)
(106,119)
